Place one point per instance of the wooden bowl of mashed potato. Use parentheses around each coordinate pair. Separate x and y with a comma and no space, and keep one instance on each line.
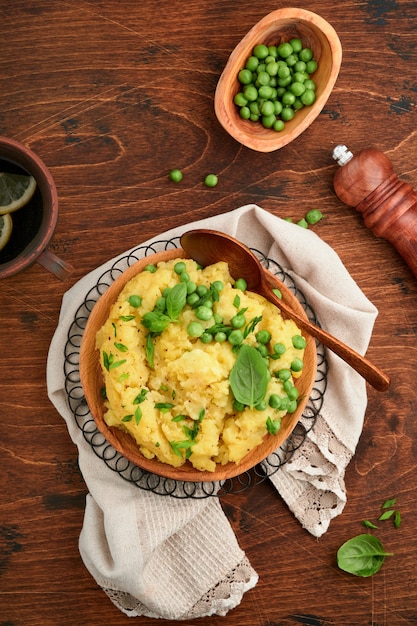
(190,377)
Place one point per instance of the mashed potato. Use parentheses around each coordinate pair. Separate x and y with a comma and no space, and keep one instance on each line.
(167,351)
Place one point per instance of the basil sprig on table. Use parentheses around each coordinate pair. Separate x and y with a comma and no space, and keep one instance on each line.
(249,376)
(362,555)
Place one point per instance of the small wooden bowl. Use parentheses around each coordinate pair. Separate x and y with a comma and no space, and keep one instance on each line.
(276,27)
(92,382)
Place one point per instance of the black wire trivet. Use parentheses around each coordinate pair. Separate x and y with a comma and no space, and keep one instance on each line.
(125,468)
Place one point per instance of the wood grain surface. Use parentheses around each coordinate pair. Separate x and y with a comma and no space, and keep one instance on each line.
(112,95)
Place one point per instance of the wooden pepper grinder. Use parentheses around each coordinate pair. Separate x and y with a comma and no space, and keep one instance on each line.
(367,182)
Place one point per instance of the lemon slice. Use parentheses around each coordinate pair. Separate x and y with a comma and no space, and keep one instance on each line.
(6,226)
(15,191)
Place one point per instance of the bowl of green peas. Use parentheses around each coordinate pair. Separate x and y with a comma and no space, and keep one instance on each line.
(278,79)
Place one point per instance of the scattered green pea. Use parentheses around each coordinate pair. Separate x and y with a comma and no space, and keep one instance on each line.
(179,267)
(238,321)
(299,342)
(314,216)
(274,401)
(195,329)
(175,176)
(235,337)
(150,268)
(204,313)
(211,180)
(279,348)
(240,284)
(263,336)
(135,301)
(303,223)
(296,365)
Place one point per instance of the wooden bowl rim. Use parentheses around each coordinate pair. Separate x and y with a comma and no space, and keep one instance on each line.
(92,382)
(246,132)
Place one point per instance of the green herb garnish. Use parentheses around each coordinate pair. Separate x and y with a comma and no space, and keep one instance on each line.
(249,376)
(362,555)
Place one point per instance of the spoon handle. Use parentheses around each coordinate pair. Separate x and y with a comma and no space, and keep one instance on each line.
(370,372)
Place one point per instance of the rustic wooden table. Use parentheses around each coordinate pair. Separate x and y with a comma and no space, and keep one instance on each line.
(113,95)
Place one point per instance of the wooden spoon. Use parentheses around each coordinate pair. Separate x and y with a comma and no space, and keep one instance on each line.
(210,246)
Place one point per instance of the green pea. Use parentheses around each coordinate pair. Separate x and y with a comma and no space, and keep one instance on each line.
(252,63)
(292,406)
(218,285)
(238,406)
(193,298)
(284,374)
(296,365)
(269,120)
(150,268)
(274,401)
(278,125)
(310,84)
(287,385)
(180,267)
(296,44)
(272,51)
(206,338)
(260,51)
(175,176)
(287,114)
(245,77)
(245,115)
(191,287)
(202,290)
(297,89)
(314,216)
(204,313)
(235,337)
(284,71)
(263,336)
(262,349)
(238,321)
(308,97)
(288,98)
(293,393)
(251,93)
(305,55)
(300,66)
(299,342)
(184,277)
(285,49)
(261,406)
(263,78)
(272,68)
(291,60)
(240,284)
(211,180)
(303,223)
(160,304)
(195,329)
(218,319)
(267,108)
(135,301)
(284,403)
(277,108)
(279,348)
(240,99)
(265,92)
(220,337)
(311,66)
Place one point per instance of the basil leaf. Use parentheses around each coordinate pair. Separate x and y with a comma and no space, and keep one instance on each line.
(249,376)
(155,321)
(362,555)
(176,300)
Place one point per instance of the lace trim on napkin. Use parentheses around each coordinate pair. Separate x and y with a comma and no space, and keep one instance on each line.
(312,481)
(226,595)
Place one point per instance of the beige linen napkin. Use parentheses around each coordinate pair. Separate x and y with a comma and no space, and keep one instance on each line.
(172,558)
